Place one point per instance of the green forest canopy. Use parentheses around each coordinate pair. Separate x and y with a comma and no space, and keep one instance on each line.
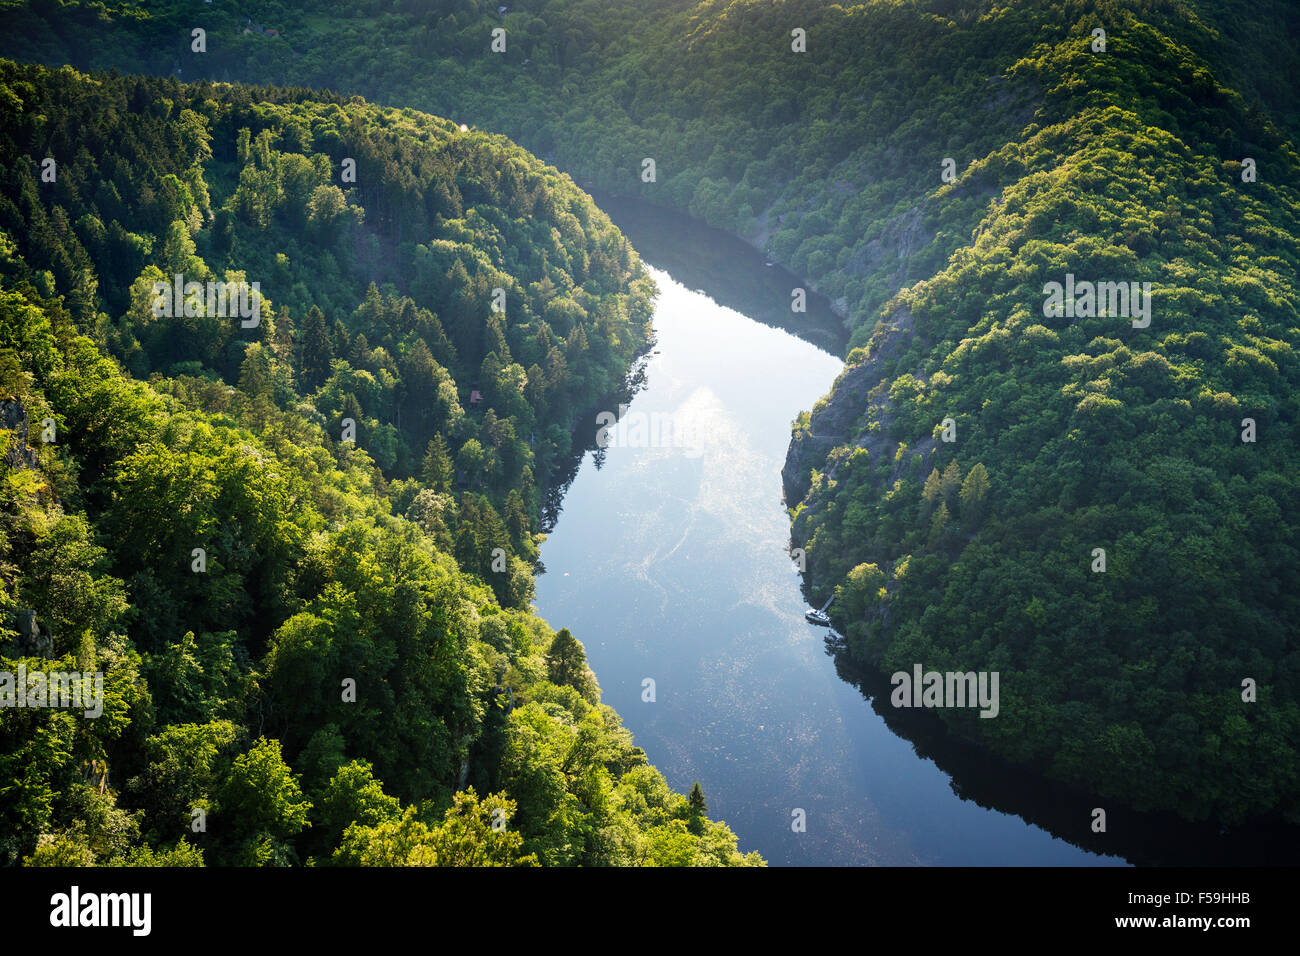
(1124,163)
(348,671)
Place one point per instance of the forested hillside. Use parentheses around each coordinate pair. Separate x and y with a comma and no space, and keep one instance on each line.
(299,546)
(830,158)
(1161,152)
(1102,505)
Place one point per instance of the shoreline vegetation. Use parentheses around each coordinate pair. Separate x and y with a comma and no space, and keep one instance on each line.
(300,550)
(955,487)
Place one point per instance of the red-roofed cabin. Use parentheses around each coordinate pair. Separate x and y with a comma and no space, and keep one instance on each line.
(475,397)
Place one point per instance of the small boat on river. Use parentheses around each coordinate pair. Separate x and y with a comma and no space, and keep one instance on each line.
(820,618)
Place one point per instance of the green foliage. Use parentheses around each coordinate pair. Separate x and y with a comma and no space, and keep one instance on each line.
(1072,434)
(1090,432)
(261,796)
(321,655)
(566,663)
(466,837)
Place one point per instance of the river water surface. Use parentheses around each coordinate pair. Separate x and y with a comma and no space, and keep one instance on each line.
(669,560)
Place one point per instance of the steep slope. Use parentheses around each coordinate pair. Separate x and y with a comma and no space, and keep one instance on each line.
(1099,504)
(828,158)
(1114,161)
(314,642)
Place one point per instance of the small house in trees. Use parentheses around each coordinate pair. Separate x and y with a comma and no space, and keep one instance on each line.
(475,396)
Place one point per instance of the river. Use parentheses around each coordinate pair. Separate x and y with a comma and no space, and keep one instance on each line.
(669,560)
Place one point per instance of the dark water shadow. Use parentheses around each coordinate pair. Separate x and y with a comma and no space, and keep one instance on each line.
(1143,839)
(566,469)
(727,270)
